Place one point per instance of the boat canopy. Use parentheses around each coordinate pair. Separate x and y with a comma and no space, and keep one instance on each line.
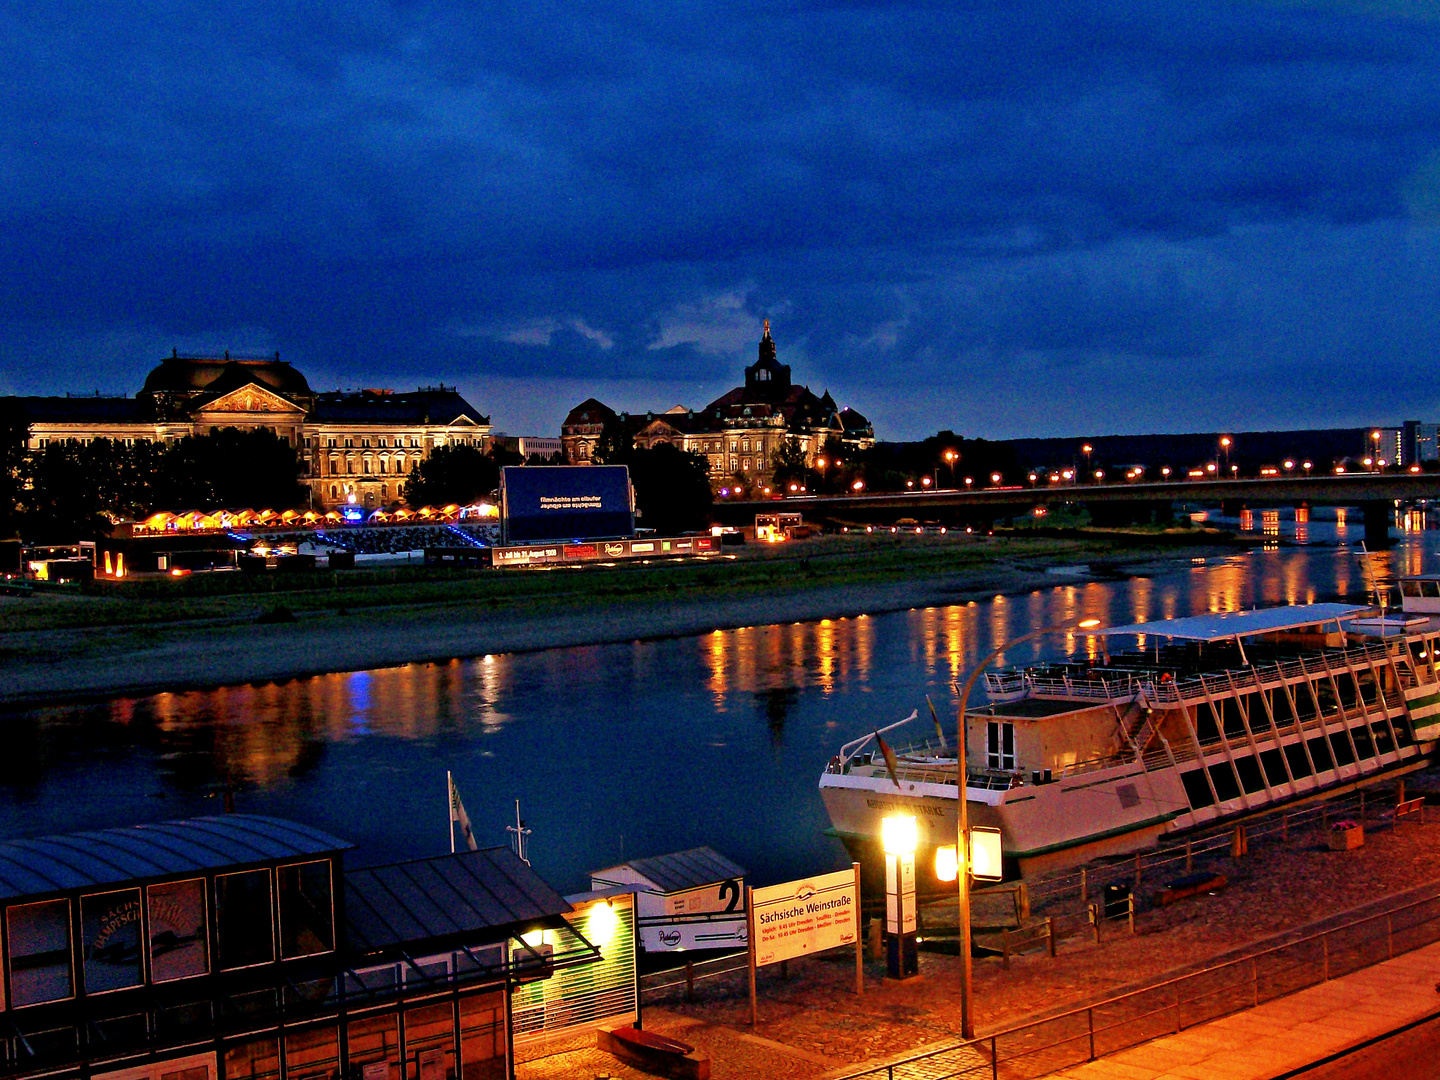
(1227,625)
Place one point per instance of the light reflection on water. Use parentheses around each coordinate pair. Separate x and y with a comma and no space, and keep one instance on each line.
(636,748)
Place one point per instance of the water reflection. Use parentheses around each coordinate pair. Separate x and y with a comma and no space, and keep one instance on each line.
(716,739)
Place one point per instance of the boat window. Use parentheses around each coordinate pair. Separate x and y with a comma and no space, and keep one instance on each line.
(1274,766)
(1196,789)
(313,1054)
(482,1036)
(1363,746)
(1223,777)
(1298,762)
(39,952)
(243,933)
(373,1051)
(110,934)
(306,918)
(179,946)
(1409,588)
(1320,754)
(258,1059)
(1000,745)
(430,1043)
(1250,778)
(1430,589)
(1340,748)
(1384,742)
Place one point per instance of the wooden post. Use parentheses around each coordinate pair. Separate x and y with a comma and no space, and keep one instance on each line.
(1023,892)
(750,940)
(1189,858)
(1050,933)
(1084,893)
(859,945)
(1131,914)
(1095,921)
(1400,790)
(877,940)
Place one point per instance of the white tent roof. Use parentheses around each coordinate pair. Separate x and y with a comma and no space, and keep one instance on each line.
(1223,625)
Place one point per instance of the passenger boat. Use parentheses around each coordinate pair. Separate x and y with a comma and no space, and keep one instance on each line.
(1196,720)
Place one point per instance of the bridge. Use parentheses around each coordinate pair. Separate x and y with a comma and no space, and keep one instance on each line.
(1374,493)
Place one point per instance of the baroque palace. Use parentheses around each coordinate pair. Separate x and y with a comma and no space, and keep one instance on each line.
(739,432)
(355,446)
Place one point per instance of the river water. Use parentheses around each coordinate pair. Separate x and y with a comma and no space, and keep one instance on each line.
(614,751)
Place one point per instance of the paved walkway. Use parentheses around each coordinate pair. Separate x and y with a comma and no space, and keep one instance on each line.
(1286,1034)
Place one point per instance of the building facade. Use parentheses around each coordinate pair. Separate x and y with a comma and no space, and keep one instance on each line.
(739,433)
(354,446)
(239,947)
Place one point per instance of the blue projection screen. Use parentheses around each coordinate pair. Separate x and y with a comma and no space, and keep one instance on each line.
(565,502)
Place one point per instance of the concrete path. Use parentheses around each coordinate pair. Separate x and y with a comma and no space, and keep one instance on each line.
(1283,1036)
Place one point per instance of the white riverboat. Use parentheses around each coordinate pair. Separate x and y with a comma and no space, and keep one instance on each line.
(1194,720)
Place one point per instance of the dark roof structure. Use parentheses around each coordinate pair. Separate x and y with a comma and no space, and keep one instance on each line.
(687,869)
(51,864)
(187,375)
(440,406)
(449,895)
(589,411)
(82,410)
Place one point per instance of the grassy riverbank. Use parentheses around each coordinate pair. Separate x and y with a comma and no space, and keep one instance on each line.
(139,636)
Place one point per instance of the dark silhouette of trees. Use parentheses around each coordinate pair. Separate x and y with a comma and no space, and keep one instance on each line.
(790,466)
(456,474)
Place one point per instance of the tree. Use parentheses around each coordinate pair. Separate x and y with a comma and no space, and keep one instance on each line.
(14,437)
(790,465)
(63,502)
(456,474)
(228,468)
(672,488)
(615,444)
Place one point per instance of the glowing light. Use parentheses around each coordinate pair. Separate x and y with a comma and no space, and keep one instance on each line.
(947,865)
(899,834)
(600,927)
(858,485)
(994,477)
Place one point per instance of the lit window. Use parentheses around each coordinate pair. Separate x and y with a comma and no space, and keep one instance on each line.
(1000,746)
(179,946)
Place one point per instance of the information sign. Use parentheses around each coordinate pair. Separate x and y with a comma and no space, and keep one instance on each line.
(985,864)
(806,916)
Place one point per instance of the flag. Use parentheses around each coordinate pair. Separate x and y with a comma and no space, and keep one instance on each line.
(457,814)
(891,765)
(939,731)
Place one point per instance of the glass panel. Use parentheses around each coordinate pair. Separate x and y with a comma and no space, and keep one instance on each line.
(430,1043)
(312,1055)
(242,914)
(39,952)
(178,945)
(374,1048)
(110,937)
(258,1059)
(482,1037)
(195,1072)
(306,921)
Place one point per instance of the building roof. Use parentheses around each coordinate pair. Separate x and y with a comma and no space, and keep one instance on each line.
(589,411)
(50,864)
(685,869)
(469,893)
(442,406)
(1221,626)
(82,410)
(192,374)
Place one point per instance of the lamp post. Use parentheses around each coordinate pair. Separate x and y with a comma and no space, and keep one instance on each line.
(962,816)
(899,838)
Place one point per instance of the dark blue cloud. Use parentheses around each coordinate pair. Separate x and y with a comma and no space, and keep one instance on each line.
(1015,218)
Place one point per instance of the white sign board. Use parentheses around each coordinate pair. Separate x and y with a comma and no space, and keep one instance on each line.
(899,894)
(802,917)
(985,855)
(708,917)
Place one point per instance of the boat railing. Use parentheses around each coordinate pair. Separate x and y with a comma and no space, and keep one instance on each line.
(1011,684)
(1220,684)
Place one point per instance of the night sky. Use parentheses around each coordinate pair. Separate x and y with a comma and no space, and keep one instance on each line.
(1009,218)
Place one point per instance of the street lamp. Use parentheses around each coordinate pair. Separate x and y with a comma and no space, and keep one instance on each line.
(899,838)
(994,478)
(1307,466)
(1225,448)
(968,481)
(950,456)
(858,485)
(1165,470)
(962,816)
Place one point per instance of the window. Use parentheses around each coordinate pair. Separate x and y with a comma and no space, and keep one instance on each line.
(482,1037)
(382,489)
(334,491)
(110,936)
(1000,745)
(179,945)
(39,945)
(367,466)
(430,1043)
(350,466)
(331,443)
(745,465)
(373,1050)
(312,1055)
(365,442)
(243,934)
(306,917)
(745,445)
(382,464)
(258,1059)
(382,442)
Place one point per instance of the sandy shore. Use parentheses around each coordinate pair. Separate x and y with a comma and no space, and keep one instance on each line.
(62,663)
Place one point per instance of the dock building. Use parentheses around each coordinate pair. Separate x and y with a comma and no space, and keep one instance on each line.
(739,432)
(238,947)
(359,443)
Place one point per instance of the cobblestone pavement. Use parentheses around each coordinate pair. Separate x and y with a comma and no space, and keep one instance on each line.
(826,1028)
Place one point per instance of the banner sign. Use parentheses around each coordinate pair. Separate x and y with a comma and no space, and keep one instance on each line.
(565,502)
(541,554)
(807,916)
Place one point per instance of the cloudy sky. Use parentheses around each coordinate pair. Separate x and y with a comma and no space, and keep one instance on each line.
(1008,218)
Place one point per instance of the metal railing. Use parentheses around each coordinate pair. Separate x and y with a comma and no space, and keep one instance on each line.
(1040,1047)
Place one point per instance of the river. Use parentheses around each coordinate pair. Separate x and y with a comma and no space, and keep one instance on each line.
(614,751)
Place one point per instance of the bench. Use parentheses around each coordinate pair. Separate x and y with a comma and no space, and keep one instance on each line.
(1410,806)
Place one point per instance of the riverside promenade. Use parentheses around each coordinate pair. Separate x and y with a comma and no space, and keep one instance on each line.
(1282,1038)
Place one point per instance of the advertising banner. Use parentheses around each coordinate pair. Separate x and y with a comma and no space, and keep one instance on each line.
(807,916)
(565,502)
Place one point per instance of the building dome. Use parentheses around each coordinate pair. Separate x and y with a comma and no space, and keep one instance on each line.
(188,375)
